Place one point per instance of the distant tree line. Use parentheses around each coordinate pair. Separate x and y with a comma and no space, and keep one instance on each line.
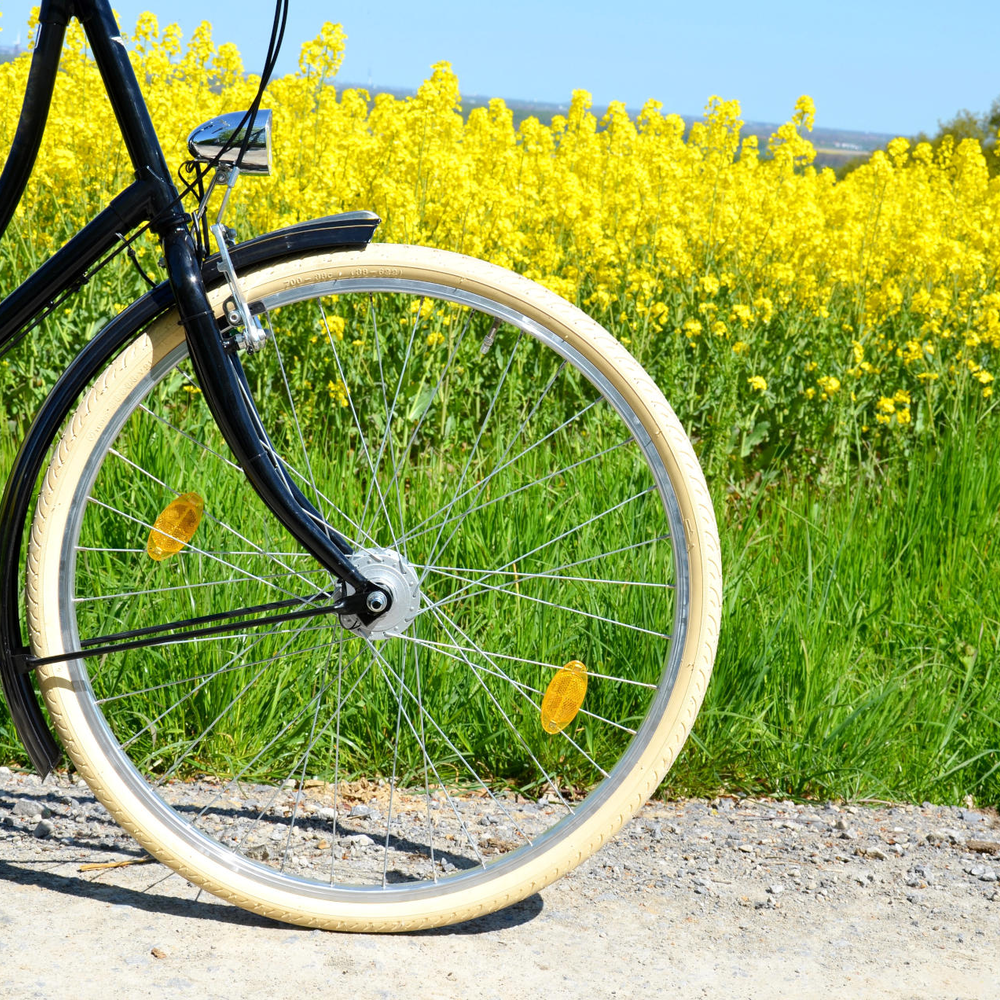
(963,124)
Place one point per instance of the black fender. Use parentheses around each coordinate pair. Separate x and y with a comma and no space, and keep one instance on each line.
(347,231)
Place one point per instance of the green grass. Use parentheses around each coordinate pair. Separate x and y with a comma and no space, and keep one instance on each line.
(859,634)
(859,643)
(274,704)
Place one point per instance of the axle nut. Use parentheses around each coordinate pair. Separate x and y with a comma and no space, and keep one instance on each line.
(377,601)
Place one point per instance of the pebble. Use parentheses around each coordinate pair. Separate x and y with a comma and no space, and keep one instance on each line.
(44,829)
(30,808)
(716,854)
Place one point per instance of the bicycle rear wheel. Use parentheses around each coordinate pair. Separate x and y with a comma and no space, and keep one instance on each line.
(519,483)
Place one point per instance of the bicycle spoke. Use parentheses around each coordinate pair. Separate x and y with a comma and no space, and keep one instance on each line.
(289,467)
(373,486)
(459,572)
(190,547)
(295,413)
(451,746)
(449,650)
(389,413)
(288,726)
(255,549)
(519,689)
(485,481)
(354,416)
(550,542)
(466,512)
(446,368)
(510,592)
(120,595)
(514,730)
(177,681)
(190,437)
(498,469)
(437,548)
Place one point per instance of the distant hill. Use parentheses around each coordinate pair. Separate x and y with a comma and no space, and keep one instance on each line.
(834,147)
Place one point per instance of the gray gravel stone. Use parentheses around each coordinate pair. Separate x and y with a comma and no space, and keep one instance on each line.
(30,808)
(359,840)
(44,829)
(756,878)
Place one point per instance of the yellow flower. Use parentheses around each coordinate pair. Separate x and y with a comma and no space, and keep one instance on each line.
(709,284)
(338,392)
(335,325)
(682,231)
(742,314)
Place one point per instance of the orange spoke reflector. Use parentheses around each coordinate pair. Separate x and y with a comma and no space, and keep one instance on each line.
(564,696)
(175,526)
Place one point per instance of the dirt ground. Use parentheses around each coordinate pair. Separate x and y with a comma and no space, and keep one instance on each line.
(731,898)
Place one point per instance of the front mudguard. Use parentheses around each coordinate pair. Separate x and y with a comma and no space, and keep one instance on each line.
(348,231)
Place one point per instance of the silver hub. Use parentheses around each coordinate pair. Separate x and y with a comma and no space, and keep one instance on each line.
(388,570)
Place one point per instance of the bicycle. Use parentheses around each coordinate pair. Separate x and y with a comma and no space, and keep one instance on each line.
(509,537)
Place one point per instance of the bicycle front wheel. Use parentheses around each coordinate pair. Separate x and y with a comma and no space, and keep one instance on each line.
(519,484)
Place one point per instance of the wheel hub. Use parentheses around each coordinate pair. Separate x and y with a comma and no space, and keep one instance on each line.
(388,570)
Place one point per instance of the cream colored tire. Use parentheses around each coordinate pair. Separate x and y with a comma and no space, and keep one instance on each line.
(544,326)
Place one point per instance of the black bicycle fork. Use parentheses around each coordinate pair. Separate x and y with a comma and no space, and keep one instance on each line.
(152,197)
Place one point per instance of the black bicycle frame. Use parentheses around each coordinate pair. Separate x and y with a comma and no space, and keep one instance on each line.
(152,198)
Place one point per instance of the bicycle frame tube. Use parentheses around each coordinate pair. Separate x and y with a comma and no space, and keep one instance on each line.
(152,196)
(37,96)
(349,231)
(155,198)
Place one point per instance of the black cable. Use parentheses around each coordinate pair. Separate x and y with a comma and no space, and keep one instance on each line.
(201,169)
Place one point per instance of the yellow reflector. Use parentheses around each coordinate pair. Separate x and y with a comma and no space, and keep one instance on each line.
(564,696)
(175,526)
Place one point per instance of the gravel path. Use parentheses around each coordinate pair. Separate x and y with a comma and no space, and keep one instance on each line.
(737,898)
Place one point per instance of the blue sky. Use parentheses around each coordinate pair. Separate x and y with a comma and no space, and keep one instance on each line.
(875,66)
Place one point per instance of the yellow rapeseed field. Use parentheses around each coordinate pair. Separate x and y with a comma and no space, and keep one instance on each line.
(775,303)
